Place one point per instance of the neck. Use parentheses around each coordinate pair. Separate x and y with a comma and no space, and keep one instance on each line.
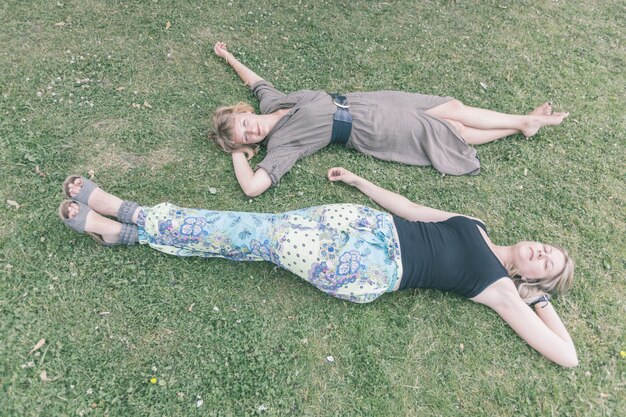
(272,119)
(504,254)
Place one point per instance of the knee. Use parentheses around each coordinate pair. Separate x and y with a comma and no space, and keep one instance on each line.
(456,105)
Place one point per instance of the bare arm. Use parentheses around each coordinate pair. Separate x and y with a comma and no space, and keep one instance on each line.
(252,183)
(395,203)
(541,329)
(246,74)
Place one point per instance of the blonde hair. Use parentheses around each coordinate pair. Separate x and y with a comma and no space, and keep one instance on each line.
(530,290)
(222,132)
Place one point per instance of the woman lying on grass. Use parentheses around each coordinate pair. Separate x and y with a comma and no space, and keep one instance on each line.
(396,126)
(354,252)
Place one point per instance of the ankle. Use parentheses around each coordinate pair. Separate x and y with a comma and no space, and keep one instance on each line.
(127,212)
(108,229)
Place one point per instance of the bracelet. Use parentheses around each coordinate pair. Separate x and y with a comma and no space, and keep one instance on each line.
(545,298)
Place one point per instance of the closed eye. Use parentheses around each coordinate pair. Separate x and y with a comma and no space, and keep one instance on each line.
(244,124)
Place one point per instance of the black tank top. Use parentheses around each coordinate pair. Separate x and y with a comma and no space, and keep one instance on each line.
(451,255)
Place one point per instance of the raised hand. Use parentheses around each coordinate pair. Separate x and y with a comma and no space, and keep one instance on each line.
(221,51)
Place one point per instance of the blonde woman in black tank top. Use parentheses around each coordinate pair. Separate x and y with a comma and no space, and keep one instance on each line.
(530,271)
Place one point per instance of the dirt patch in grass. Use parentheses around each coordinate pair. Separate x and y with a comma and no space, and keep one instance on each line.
(98,153)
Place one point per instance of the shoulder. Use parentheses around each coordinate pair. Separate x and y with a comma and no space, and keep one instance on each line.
(463,219)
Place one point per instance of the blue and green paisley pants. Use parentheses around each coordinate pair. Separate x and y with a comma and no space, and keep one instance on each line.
(348,251)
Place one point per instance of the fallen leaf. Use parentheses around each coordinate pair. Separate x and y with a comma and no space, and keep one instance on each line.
(199,403)
(525,172)
(191,307)
(91,173)
(94,405)
(120,88)
(38,346)
(212,190)
(39,172)
(603,395)
(330,359)
(215,308)
(483,85)
(13,204)
(60,24)
(262,408)
(44,377)
(136,105)
(146,104)
(167,25)
(462,347)
(104,313)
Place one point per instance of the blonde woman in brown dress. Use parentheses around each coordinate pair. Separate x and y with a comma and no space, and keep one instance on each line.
(409,128)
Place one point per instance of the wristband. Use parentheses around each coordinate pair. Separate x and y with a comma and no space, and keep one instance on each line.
(545,298)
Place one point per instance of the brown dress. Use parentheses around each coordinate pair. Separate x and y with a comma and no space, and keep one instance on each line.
(388,125)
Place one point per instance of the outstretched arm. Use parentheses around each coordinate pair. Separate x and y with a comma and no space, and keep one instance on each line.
(252,183)
(541,329)
(395,203)
(246,74)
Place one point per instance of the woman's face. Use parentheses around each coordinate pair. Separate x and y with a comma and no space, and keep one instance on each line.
(536,260)
(250,128)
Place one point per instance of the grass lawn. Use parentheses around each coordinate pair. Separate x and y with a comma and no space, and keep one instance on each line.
(110,88)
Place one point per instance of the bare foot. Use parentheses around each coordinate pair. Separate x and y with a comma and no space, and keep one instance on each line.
(109,230)
(99,200)
(536,122)
(543,110)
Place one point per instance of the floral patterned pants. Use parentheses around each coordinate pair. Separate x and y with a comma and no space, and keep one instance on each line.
(348,251)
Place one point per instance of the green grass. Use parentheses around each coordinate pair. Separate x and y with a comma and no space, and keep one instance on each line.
(70,73)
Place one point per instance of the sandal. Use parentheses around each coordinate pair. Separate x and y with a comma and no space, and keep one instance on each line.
(128,234)
(85,190)
(125,212)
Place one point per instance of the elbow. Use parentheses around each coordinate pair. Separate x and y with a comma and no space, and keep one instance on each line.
(253,191)
(571,363)
(569,360)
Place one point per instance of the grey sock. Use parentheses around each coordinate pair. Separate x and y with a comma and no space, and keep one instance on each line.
(126,210)
(128,234)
